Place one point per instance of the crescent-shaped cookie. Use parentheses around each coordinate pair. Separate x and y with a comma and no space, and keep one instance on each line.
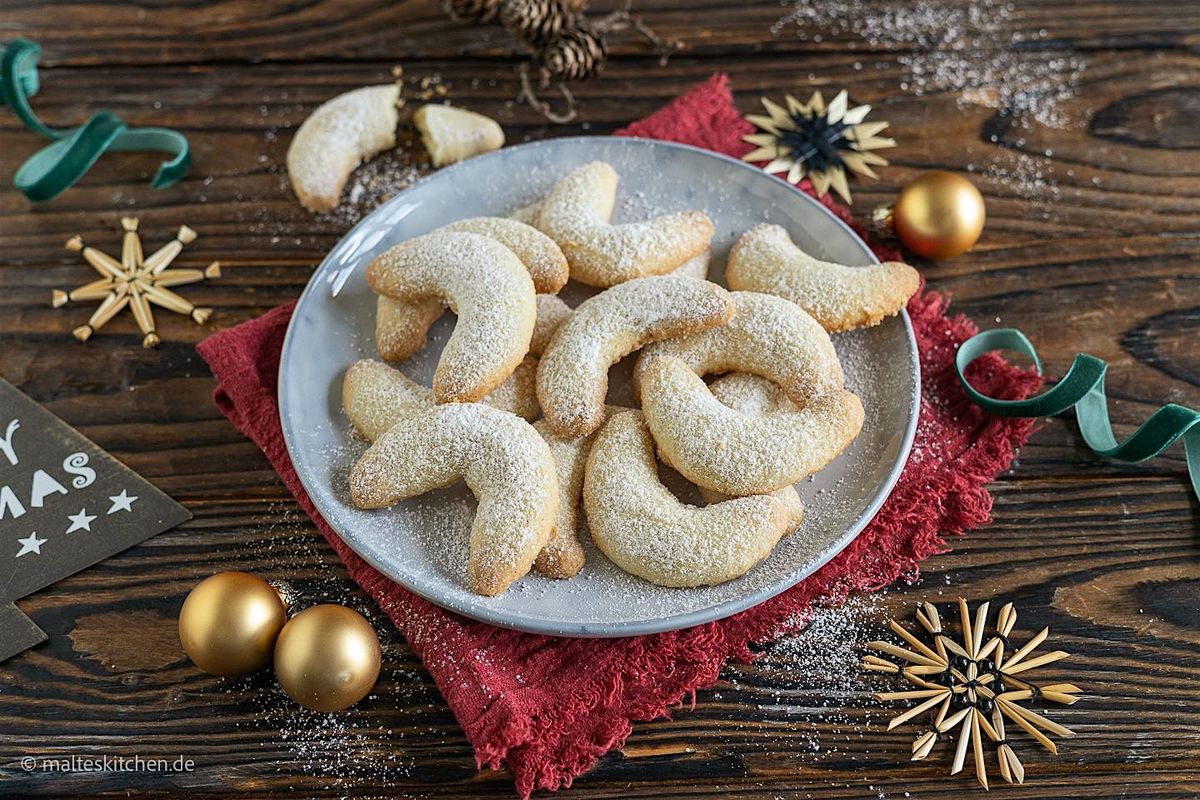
(563,556)
(840,297)
(646,531)
(767,336)
(738,453)
(748,394)
(402,326)
(375,396)
(501,458)
(489,289)
(695,267)
(527,214)
(552,312)
(541,256)
(572,379)
(576,214)
(336,138)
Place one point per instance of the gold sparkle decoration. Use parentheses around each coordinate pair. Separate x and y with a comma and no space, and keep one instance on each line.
(136,281)
(972,685)
(824,142)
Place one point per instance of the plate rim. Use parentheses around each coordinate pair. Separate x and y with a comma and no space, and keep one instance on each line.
(723,610)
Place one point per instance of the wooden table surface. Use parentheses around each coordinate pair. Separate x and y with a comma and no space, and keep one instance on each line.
(1092,244)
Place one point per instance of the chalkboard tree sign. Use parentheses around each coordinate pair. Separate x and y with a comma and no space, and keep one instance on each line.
(65,504)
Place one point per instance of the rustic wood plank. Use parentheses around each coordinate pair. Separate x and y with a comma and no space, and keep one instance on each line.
(112,32)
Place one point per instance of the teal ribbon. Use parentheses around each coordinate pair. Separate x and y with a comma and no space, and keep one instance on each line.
(1082,388)
(72,151)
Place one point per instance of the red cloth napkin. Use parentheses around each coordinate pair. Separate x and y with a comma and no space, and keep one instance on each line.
(550,707)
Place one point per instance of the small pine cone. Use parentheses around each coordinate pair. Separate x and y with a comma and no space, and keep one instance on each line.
(471,10)
(537,22)
(579,53)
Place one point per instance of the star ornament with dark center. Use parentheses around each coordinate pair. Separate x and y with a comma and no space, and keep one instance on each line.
(136,281)
(972,685)
(826,143)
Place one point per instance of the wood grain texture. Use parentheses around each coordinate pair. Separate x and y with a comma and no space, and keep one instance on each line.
(1102,256)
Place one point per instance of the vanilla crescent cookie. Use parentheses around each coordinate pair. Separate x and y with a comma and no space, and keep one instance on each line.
(576,214)
(375,396)
(646,531)
(767,336)
(572,379)
(502,459)
(552,312)
(527,214)
(840,297)
(695,267)
(541,256)
(738,453)
(489,289)
(563,556)
(749,394)
(401,326)
(335,138)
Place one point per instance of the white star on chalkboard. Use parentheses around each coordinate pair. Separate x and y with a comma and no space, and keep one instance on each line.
(122,502)
(81,521)
(31,544)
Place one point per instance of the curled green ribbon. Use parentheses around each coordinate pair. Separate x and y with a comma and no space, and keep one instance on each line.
(72,151)
(1082,388)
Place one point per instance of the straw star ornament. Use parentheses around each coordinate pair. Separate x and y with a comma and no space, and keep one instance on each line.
(973,686)
(136,281)
(824,142)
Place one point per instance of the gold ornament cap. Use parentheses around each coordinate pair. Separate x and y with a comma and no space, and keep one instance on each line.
(327,658)
(229,622)
(938,215)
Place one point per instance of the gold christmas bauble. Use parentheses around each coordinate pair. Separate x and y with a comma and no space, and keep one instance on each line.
(327,658)
(229,622)
(939,215)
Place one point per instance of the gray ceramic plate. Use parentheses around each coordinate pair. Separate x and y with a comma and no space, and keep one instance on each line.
(421,543)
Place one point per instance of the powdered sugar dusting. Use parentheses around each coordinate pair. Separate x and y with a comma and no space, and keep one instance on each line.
(810,680)
(972,49)
(576,215)
(767,336)
(500,457)
(765,259)
(489,289)
(377,181)
(646,531)
(976,50)
(573,373)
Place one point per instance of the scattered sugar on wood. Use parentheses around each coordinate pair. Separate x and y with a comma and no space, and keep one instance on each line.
(810,680)
(975,51)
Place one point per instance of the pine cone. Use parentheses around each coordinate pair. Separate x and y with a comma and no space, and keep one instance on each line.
(537,22)
(579,53)
(471,10)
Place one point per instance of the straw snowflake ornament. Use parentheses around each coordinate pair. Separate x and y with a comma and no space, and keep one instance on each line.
(823,142)
(136,281)
(972,686)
